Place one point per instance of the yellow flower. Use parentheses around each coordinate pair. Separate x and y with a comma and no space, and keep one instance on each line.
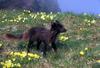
(93,21)
(35,16)
(6,20)
(2,63)
(88,21)
(36,56)
(8,64)
(51,17)
(98,61)
(11,53)
(15,20)
(18,65)
(30,54)
(81,29)
(29,58)
(66,38)
(33,55)
(23,54)
(13,59)
(23,21)
(16,53)
(86,49)
(38,13)
(63,38)
(2,21)
(89,24)
(24,10)
(82,53)
(47,16)
(0,44)
(11,20)
(43,17)
(29,11)
(19,18)
(85,20)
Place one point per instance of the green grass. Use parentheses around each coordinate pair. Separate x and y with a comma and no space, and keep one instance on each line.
(83,31)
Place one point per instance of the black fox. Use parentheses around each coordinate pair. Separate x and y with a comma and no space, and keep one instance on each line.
(41,35)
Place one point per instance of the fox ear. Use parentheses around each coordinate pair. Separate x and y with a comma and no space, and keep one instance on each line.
(54,22)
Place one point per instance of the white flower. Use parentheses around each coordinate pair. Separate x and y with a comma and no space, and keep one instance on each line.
(93,21)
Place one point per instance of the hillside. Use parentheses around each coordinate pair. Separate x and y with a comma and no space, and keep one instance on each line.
(79,47)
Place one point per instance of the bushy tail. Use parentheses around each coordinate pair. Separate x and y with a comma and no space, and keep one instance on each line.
(13,37)
(24,36)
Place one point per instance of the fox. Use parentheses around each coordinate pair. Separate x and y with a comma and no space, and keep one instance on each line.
(41,35)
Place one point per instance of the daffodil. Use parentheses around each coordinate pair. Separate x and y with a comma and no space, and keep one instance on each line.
(85,20)
(51,17)
(81,29)
(29,58)
(35,16)
(2,21)
(43,17)
(11,53)
(8,64)
(38,13)
(19,18)
(18,65)
(23,54)
(36,56)
(29,11)
(11,20)
(63,38)
(82,53)
(23,21)
(6,20)
(17,54)
(33,55)
(88,21)
(93,21)
(15,20)
(86,49)
(98,61)
(30,54)
(0,44)
(13,59)
(89,24)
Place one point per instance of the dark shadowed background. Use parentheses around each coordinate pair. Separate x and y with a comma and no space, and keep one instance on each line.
(76,6)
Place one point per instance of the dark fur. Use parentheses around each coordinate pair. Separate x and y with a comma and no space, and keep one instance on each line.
(45,36)
(40,35)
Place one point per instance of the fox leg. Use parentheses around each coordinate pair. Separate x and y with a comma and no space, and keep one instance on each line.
(45,48)
(54,46)
(29,45)
(38,44)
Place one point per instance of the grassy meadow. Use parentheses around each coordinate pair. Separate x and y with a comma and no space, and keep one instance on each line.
(79,47)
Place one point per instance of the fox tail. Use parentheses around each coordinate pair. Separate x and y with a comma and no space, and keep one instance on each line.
(13,37)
